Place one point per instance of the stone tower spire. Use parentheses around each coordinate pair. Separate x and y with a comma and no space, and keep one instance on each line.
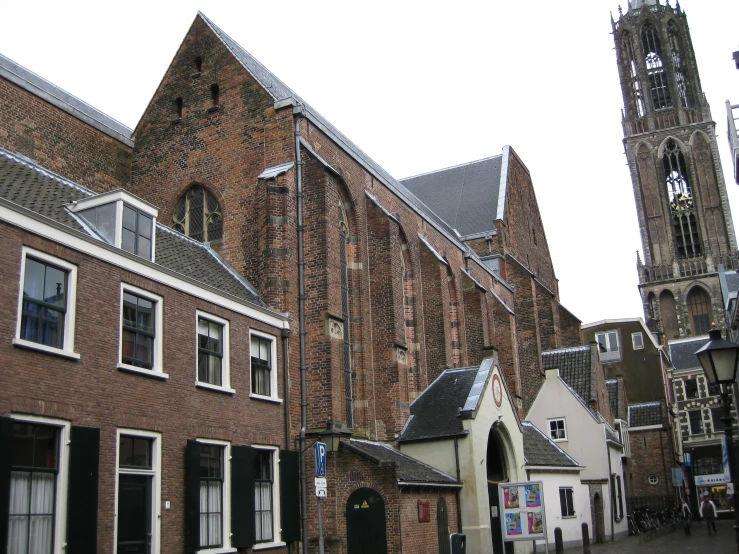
(670,142)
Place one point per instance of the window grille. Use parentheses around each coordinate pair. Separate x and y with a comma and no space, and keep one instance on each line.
(634,82)
(343,235)
(681,81)
(198,216)
(656,74)
(699,307)
(680,195)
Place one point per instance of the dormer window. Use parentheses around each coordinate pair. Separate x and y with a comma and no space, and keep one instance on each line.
(121,220)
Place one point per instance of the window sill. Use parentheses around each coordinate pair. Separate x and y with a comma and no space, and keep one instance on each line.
(266,398)
(268,545)
(214,388)
(559,440)
(573,516)
(22,343)
(140,371)
(217,551)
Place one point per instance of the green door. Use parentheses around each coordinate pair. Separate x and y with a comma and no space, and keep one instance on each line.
(365,523)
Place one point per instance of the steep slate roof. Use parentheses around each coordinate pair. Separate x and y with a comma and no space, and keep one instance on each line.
(612,388)
(574,368)
(435,414)
(683,352)
(408,470)
(465,196)
(30,186)
(28,80)
(540,450)
(647,413)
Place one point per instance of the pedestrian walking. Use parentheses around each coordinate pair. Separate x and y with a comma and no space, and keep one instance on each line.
(708,511)
(687,518)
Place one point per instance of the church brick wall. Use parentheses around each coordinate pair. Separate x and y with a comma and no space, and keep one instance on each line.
(651,454)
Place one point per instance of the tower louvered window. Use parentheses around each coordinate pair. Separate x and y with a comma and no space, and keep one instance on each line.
(681,83)
(699,307)
(634,83)
(656,74)
(347,366)
(682,209)
(198,216)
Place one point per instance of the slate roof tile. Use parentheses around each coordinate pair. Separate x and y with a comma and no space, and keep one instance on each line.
(644,414)
(24,183)
(682,353)
(407,469)
(435,414)
(540,450)
(574,368)
(613,397)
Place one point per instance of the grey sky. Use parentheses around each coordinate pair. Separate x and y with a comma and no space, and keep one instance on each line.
(420,86)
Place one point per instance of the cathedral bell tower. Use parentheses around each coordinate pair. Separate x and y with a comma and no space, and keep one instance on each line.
(670,143)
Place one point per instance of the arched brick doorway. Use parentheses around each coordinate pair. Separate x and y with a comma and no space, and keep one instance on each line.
(599,523)
(366,531)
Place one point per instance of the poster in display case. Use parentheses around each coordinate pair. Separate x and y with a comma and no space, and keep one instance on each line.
(523,517)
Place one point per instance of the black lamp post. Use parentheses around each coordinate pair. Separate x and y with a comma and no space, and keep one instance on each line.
(720,359)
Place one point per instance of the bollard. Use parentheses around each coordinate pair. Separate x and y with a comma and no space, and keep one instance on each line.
(585,539)
(558,546)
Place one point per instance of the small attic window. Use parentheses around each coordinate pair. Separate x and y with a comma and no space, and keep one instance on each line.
(198,64)
(178,108)
(215,95)
(121,220)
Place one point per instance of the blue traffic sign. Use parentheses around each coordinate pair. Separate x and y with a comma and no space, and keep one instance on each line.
(320,459)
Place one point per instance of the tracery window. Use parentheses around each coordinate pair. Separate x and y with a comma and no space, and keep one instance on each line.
(347,365)
(681,82)
(699,308)
(656,74)
(198,215)
(634,82)
(687,238)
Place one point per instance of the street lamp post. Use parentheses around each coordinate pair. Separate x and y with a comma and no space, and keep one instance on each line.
(331,437)
(720,359)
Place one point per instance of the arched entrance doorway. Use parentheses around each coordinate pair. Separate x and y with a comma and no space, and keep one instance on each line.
(365,523)
(497,472)
(599,523)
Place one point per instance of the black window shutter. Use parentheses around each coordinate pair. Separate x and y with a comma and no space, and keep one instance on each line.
(563,502)
(242,497)
(290,495)
(6,430)
(82,503)
(192,496)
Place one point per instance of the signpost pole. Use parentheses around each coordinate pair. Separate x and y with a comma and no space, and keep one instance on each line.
(321,488)
(320,527)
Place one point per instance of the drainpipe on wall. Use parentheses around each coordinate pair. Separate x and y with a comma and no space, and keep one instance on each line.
(610,488)
(301,332)
(458,491)
(286,377)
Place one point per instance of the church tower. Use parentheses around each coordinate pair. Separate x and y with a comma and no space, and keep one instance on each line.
(670,143)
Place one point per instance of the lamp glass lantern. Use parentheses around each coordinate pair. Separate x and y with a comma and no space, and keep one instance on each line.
(332,437)
(719,358)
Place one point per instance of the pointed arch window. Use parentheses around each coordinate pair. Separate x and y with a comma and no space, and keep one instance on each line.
(627,48)
(687,238)
(656,74)
(347,362)
(403,284)
(198,215)
(699,308)
(678,63)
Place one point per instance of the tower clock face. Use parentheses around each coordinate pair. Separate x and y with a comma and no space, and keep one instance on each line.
(497,390)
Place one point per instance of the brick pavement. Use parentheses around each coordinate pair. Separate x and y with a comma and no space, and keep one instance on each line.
(674,543)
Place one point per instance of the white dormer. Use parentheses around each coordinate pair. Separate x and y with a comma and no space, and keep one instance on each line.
(121,219)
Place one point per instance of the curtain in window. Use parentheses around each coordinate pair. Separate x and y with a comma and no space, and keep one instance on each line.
(31,524)
(210,513)
(263,511)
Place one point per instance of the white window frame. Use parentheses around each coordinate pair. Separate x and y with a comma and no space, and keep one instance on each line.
(69,318)
(549,428)
(273,397)
(62,477)
(276,515)
(156,370)
(640,336)
(156,484)
(226,500)
(611,354)
(226,347)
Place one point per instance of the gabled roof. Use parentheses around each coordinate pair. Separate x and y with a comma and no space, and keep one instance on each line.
(281,92)
(408,470)
(645,414)
(38,86)
(574,366)
(435,414)
(30,186)
(682,352)
(466,196)
(540,450)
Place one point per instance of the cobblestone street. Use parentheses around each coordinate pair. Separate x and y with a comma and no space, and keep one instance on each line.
(674,543)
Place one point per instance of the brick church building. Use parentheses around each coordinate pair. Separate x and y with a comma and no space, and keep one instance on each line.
(380,289)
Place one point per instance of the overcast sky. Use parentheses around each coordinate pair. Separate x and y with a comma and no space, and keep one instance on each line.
(421,86)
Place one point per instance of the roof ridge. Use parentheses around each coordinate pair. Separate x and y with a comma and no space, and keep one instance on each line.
(465,164)
(643,404)
(33,165)
(568,349)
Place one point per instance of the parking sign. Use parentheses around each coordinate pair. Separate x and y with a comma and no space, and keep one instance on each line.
(320,459)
